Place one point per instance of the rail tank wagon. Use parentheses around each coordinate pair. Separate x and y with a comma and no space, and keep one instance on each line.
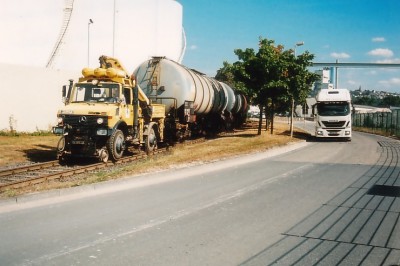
(191,98)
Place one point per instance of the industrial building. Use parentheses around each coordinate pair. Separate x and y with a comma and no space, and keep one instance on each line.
(132,31)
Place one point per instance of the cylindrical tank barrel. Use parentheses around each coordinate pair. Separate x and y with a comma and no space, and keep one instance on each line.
(165,81)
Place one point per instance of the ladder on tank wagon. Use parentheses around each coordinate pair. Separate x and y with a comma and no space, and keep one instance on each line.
(152,75)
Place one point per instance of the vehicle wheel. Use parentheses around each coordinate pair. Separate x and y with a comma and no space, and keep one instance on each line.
(151,139)
(61,144)
(116,145)
(103,156)
(60,151)
(63,159)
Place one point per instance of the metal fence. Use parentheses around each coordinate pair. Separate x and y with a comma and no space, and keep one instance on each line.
(387,123)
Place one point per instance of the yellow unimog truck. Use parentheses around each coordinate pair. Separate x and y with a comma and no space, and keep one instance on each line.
(104,113)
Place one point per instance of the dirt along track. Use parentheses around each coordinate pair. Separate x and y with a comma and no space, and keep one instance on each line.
(17,178)
(29,175)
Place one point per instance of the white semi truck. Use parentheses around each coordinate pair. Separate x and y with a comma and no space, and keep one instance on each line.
(333,111)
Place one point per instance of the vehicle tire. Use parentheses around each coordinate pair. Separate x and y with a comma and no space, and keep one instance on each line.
(61,157)
(116,145)
(61,144)
(151,139)
(103,156)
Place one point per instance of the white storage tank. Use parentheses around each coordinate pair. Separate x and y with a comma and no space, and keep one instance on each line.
(152,28)
(168,82)
(137,30)
(142,28)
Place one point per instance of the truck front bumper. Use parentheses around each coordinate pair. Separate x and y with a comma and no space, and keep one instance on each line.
(333,132)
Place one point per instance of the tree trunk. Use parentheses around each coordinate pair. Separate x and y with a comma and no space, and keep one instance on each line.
(291,119)
(260,119)
(272,116)
(267,121)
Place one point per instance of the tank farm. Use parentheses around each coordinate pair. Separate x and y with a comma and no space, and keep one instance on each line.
(195,106)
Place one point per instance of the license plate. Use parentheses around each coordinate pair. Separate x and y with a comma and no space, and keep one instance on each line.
(78,142)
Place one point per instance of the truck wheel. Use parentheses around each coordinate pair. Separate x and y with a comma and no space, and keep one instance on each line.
(61,144)
(60,151)
(116,145)
(103,155)
(151,139)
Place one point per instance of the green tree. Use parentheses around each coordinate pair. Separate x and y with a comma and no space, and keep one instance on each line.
(227,74)
(390,100)
(260,72)
(367,100)
(299,79)
(271,77)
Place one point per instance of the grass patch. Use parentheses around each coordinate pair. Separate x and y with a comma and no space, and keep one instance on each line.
(27,148)
(14,149)
(13,133)
(376,131)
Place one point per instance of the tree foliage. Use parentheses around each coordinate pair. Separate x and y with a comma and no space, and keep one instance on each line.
(390,100)
(271,77)
(387,101)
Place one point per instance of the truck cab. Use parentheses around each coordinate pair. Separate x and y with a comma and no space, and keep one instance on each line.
(104,113)
(333,114)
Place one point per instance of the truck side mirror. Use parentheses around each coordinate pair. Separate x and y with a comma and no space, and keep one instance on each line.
(64,94)
(64,91)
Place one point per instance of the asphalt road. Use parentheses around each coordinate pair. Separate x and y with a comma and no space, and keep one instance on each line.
(323,203)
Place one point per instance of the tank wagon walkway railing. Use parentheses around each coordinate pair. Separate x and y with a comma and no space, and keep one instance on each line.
(383,123)
(359,226)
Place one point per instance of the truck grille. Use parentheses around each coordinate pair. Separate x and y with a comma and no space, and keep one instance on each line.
(83,124)
(334,124)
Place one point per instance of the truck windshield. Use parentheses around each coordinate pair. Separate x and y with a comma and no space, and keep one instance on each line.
(333,108)
(103,92)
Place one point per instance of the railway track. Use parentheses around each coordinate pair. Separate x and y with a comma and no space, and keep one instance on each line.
(29,175)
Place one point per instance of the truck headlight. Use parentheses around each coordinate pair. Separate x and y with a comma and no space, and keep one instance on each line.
(102,132)
(347,133)
(58,130)
(100,120)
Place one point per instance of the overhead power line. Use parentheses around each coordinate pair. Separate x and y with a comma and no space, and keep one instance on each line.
(357,65)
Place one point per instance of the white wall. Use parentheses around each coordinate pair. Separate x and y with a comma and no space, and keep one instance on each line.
(31,95)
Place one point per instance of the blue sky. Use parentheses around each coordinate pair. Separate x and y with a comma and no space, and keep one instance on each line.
(347,30)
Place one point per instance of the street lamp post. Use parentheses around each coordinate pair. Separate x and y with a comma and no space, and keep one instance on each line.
(292,113)
(88,40)
(296,45)
(113,45)
(336,76)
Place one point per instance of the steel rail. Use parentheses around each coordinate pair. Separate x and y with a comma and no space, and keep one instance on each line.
(28,168)
(28,181)
(9,184)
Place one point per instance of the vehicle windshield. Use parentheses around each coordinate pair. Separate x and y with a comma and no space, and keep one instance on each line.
(333,108)
(102,92)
